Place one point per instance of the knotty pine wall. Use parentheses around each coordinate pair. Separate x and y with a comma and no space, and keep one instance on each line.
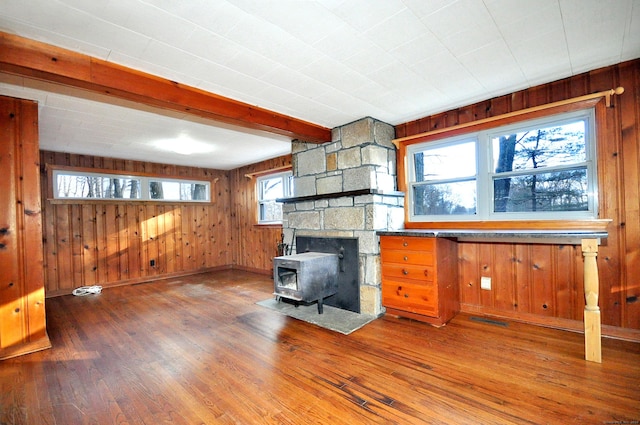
(543,283)
(112,243)
(254,246)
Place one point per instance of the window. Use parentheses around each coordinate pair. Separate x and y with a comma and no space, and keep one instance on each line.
(270,188)
(87,185)
(540,169)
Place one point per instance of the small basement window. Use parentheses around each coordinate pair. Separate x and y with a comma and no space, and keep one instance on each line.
(81,185)
(269,188)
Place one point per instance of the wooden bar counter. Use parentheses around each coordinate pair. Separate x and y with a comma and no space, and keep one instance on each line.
(588,240)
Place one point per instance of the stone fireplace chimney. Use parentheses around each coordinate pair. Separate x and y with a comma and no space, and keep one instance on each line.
(347,188)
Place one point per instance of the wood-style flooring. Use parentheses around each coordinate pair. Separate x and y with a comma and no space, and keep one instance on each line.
(198,350)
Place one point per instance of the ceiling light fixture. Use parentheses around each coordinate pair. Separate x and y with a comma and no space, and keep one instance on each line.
(183,145)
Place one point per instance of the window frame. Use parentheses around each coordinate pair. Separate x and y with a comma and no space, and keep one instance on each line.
(144,180)
(485,173)
(287,182)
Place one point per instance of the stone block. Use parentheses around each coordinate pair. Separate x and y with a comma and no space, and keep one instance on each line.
(332,147)
(305,206)
(332,161)
(349,158)
(357,133)
(375,155)
(312,161)
(304,220)
(344,218)
(331,184)
(384,134)
(395,218)
(376,216)
(336,134)
(344,201)
(359,178)
(385,182)
(370,300)
(321,204)
(304,186)
(367,241)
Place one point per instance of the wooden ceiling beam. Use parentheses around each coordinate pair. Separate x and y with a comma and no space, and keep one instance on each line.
(33,59)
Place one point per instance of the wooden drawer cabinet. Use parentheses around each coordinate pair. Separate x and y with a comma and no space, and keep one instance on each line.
(419,277)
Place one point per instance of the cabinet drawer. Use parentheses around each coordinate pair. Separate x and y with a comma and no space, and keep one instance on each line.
(424,258)
(405,242)
(420,299)
(408,271)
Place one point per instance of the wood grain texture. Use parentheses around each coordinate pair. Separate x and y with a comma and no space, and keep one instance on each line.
(33,59)
(111,243)
(254,245)
(535,283)
(199,350)
(22,303)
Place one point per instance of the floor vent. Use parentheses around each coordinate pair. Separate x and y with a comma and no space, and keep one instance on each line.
(489,321)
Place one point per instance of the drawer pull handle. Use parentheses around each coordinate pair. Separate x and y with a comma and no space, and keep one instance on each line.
(405,272)
(406,258)
(405,243)
(426,272)
(406,295)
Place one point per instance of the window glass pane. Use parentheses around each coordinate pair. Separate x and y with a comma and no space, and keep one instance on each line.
(538,148)
(177,191)
(193,192)
(564,190)
(96,187)
(458,198)
(270,211)
(446,162)
(272,188)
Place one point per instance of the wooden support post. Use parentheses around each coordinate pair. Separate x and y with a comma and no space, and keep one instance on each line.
(592,333)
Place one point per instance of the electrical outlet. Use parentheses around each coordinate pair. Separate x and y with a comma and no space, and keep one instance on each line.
(485,283)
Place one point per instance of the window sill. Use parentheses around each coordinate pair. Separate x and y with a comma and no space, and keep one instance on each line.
(268,225)
(535,225)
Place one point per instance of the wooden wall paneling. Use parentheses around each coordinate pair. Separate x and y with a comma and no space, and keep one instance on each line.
(77,249)
(564,273)
(113,246)
(180,251)
(525,285)
(169,240)
(485,263)
(102,245)
(22,303)
(502,276)
(12,291)
(468,273)
(153,248)
(133,241)
(33,253)
(543,300)
(89,249)
(63,247)
(628,108)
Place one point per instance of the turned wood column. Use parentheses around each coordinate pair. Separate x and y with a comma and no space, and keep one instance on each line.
(592,333)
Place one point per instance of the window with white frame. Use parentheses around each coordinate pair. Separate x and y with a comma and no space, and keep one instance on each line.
(270,188)
(539,169)
(80,185)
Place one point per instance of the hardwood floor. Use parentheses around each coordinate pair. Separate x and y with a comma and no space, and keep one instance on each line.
(198,350)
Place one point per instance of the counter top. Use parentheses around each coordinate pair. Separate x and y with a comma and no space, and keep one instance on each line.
(567,237)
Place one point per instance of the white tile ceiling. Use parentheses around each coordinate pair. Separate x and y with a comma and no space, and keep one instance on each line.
(326,61)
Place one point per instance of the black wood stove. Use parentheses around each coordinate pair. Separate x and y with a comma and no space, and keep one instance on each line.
(306,277)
